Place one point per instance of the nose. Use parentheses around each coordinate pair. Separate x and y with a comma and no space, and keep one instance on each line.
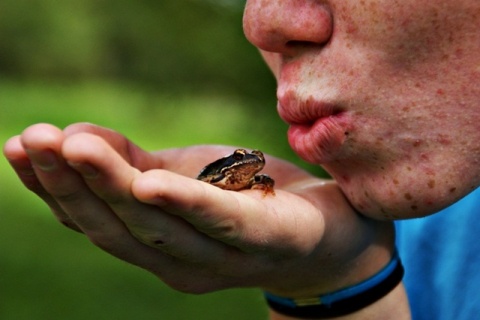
(283,25)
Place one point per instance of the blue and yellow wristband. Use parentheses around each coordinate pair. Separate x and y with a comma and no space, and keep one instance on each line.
(343,301)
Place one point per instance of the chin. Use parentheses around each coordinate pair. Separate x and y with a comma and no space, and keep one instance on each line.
(407,185)
(397,201)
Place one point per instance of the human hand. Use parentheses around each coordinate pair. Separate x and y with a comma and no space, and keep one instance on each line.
(146,209)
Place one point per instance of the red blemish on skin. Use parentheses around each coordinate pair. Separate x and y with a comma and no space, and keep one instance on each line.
(417,143)
(452,190)
(429,171)
(459,53)
(440,92)
(345,178)
(351,29)
(444,139)
(362,204)
(385,214)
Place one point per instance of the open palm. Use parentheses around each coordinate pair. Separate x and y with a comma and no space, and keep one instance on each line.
(147,209)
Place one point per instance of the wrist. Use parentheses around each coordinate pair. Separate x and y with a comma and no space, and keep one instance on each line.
(343,301)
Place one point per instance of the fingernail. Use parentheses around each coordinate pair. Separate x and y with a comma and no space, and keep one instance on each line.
(45,160)
(85,169)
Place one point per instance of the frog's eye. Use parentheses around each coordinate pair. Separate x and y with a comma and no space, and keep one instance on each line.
(239,154)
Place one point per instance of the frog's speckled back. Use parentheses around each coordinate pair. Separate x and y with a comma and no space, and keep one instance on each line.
(238,171)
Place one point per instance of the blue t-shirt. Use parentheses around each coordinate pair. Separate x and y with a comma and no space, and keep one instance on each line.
(441,255)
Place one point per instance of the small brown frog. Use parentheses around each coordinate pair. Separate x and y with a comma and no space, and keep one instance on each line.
(238,171)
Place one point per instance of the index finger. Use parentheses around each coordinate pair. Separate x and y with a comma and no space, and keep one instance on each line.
(247,219)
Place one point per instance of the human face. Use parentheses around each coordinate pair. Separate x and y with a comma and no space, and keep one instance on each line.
(384,94)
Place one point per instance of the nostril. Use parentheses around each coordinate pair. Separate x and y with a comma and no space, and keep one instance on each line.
(300,44)
(280,26)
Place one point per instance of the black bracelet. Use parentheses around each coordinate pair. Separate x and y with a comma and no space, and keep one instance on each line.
(343,301)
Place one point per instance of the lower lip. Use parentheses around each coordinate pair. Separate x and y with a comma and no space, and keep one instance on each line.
(321,141)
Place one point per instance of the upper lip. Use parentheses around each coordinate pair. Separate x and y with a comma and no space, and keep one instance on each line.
(295,110)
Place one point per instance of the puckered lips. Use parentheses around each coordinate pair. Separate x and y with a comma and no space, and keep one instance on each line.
(317,129)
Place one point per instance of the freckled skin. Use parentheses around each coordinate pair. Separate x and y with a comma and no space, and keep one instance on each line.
(405,76)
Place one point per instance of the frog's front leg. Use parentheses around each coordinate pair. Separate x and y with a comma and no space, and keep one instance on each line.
(263,182)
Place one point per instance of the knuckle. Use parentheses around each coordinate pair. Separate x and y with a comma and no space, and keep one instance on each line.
(68,222)
(64,196)
(156,239)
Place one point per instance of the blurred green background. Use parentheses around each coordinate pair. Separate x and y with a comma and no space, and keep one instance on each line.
(165,73)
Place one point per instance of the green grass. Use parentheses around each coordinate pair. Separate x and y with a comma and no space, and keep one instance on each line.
(49,272)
